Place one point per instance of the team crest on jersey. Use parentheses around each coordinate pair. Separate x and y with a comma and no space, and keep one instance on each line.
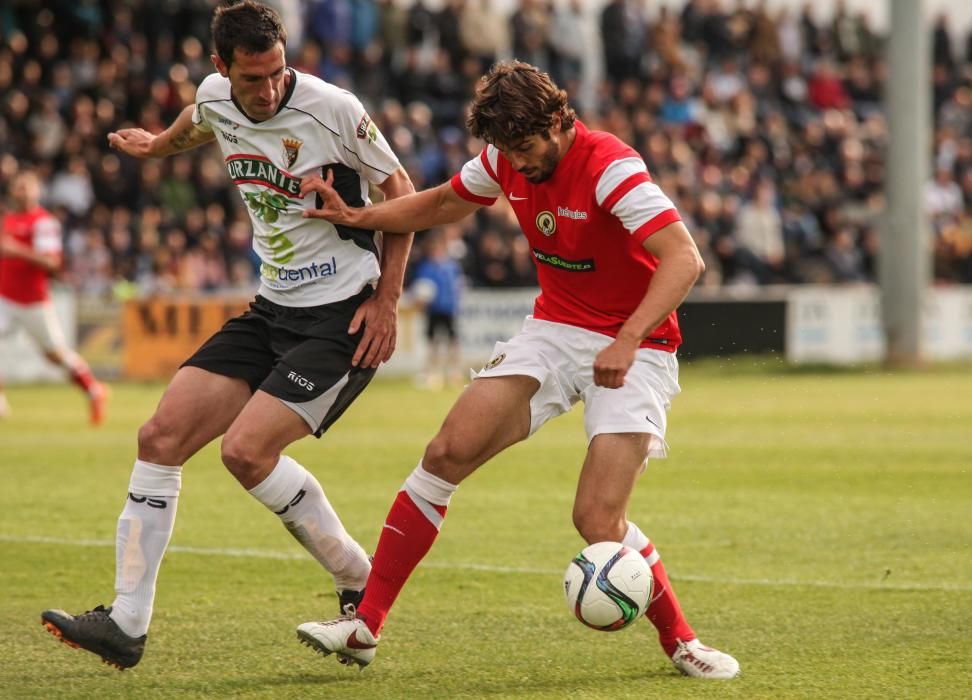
(366,129)
(495,361)
(546,223)
(292,150)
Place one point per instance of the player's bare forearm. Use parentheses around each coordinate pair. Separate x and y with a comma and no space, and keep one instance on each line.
(14,249)
(679,266)
(395,249)
(182,135)
(414,212)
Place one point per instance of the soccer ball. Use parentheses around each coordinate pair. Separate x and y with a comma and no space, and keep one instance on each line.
(608,586)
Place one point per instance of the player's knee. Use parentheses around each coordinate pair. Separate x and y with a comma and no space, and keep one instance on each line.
(159,442)
(248,460)
(445,458)
(597,524)
(237,457)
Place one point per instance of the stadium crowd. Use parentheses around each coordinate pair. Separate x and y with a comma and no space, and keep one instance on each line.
(766,128)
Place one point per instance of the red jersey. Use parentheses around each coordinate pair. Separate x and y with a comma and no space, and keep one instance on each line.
(21,281)
(586,225)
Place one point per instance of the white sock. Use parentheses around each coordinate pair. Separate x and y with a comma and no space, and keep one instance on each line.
(430,487)
(144,528)
(295,495)
(638,541)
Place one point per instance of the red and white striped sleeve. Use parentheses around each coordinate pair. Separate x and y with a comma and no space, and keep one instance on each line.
(477,181)
(625,189)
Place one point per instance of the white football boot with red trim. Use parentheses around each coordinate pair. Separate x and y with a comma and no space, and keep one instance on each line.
(696,660)
(348,637)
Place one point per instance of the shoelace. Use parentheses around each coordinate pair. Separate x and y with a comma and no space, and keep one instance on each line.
(98,612)
(350,611)
(685,652)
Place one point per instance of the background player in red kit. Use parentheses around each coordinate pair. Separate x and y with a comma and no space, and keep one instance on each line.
(614,260)
(30,252)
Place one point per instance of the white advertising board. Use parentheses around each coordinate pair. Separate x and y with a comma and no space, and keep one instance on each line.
(486,316)
(842,325)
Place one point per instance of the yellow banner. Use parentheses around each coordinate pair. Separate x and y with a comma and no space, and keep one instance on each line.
(160,334)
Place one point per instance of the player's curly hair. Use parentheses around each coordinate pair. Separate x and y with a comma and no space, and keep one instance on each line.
(249,26)
(514,101)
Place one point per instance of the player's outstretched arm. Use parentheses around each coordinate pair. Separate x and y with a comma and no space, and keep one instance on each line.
(679,266)
(180,136)
(415,212)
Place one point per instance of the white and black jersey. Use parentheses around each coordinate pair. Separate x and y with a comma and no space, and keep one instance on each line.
(305,262)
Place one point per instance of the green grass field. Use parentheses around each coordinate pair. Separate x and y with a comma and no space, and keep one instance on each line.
(818,525)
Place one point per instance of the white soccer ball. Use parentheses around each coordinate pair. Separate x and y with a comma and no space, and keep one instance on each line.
(608,586)
(423,291)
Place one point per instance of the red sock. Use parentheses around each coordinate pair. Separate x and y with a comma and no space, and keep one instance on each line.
(664,611)
(407,536)
(82,376)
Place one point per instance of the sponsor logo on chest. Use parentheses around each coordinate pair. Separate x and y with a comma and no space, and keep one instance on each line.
(258,170)
(278,275)
(575,214)
(555,260)
(546,221)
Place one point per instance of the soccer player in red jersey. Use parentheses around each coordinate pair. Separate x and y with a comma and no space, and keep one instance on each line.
(30,252)
(614,261)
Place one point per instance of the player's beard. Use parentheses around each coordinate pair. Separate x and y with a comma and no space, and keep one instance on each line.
(548,163)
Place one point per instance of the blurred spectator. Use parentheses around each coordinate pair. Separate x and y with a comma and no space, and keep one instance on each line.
(826,89)
(942,54)
(844,257)
(484,32)
(759,237)
(530,23)
(943,198)
(567,40)
(623,38)
(71,188)
(437,289)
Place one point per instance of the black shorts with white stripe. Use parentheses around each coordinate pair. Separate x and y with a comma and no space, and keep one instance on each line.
(301,355)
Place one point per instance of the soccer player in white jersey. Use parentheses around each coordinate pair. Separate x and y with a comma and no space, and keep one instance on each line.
(614,260)
(30,252)
(323,320)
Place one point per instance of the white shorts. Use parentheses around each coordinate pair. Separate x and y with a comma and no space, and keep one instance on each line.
(561,358)
(38,320)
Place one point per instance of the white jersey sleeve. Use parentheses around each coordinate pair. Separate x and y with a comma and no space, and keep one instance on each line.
(625,189)
(205,93)
(477,180)
(47,236)
(363,139)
